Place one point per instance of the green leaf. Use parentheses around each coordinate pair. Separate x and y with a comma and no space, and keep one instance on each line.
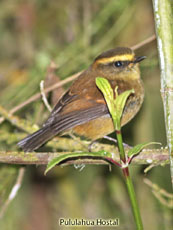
(116,105)
(120,101)
(105,87)
(63,157)
(136,149)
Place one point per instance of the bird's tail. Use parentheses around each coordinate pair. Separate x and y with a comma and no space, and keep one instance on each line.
(35,140)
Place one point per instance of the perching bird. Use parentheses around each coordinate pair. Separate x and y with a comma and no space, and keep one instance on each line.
(82,110)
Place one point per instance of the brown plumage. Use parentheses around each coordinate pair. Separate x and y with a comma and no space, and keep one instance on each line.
(83,110)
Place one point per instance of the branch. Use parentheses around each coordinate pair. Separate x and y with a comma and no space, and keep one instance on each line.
(38,95)
(145,42)
(147,156)
(13,192)
(18,122)
(163,22)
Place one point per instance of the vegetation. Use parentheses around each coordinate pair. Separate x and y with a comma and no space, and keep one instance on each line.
(50,41)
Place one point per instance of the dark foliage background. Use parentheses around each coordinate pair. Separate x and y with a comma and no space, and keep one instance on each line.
(72,33)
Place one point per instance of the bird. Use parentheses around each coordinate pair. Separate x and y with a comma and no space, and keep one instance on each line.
(82,110)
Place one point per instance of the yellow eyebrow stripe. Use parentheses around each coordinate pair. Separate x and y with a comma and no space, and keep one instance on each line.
(123,57)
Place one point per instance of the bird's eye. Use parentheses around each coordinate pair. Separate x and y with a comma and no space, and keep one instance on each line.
(118,64)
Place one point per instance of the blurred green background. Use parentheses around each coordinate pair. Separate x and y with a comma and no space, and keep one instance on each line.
(72,33)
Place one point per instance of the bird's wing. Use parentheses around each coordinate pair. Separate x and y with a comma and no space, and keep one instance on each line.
(62,119)
(73,110)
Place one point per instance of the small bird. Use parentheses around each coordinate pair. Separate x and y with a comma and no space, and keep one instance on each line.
(82,110)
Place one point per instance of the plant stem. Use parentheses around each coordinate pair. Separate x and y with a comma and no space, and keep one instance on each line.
(163,12)
(120,146)
(133,199)
(129,183)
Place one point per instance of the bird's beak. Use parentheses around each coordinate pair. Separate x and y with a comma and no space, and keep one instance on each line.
(139,59)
